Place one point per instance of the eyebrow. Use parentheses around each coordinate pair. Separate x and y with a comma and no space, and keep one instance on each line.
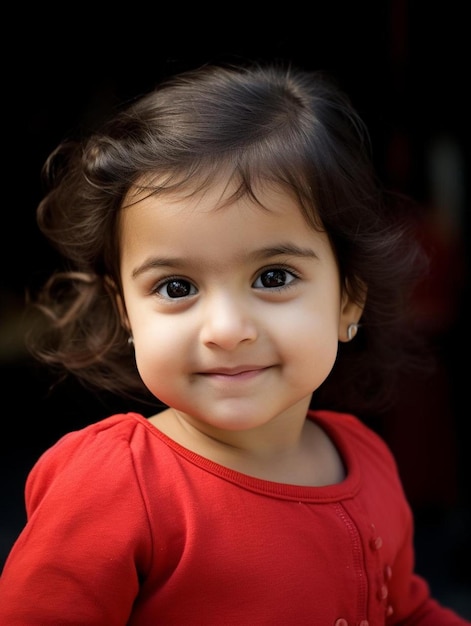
(283,249)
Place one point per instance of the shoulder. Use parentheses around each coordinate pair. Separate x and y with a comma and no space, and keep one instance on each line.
(97,454)
(112,433)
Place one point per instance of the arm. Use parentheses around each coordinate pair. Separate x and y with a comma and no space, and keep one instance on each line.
(410,593)
(78,558)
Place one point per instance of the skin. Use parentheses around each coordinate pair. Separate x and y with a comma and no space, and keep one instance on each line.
(236,313)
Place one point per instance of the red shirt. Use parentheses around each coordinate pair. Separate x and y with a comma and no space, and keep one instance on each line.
(127,527)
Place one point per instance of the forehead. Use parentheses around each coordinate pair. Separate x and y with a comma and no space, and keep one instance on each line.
(216,225)
(212,196)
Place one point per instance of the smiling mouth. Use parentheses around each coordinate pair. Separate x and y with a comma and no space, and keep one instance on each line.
(238,372)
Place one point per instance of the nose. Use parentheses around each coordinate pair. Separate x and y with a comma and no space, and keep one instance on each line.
(227,322)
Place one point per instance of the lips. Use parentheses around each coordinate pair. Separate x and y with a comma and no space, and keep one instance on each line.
(234,371)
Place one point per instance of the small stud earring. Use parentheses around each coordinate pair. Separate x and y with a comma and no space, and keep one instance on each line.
(130,340)
(352,331)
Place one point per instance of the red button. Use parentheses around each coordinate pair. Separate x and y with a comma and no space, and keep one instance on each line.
(376,543)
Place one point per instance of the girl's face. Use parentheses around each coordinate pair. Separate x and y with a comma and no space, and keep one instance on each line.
(236,311)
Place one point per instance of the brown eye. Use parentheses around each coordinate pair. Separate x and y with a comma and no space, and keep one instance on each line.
(176,288)
(275,278)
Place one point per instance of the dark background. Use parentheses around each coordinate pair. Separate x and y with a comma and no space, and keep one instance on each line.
(406,67)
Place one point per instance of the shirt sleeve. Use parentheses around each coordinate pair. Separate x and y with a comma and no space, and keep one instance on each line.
(412,600)
(80,556)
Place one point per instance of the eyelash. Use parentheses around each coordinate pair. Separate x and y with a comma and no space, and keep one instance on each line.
(288,272)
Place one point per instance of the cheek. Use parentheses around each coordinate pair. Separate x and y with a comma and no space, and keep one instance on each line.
(310,343)
(314,342)
(314,323)
(158,352)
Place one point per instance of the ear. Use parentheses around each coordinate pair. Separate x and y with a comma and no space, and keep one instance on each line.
(122,312)
(115,294)
(350,313)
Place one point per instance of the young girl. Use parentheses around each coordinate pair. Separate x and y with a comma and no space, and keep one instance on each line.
(229,251)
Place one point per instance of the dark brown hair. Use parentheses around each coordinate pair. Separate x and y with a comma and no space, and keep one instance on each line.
(256,124)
